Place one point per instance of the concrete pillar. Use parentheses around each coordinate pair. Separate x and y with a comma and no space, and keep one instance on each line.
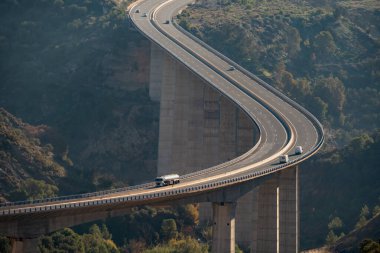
(166,117)
(181,140)
(228,129)
(155,73)
(198,126)
(289,210)
(246,136)
(25,245)
(211,126)
(223,229)
(265,218)
(246,213)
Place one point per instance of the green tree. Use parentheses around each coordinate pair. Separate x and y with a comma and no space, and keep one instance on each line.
(287,81)
(365,211)
(294,41)
(136,246)
(185,245)
(376,211)
(5,245)
(369,246)
(189,214)
(361,222)
(324,45)
(318,107)
(65,240)
(237,249)
(361,143)
(331,90)
(302,88)
(95,231)
(105,233)
(95,241)
(188,245)
(38,189)
(331,238)
(169,229)
(335,223)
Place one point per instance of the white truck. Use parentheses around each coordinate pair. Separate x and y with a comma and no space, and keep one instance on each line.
(167,180)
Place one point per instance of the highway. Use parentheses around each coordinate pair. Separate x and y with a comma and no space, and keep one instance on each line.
(282,123)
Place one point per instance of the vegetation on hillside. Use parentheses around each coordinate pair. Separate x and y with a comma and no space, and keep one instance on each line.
(364,239)
(148,230)
(96,240)
(30,167)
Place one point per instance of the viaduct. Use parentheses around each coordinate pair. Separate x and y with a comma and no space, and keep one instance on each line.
(221,128)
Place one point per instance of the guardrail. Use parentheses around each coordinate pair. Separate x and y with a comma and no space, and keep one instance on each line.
(76,196)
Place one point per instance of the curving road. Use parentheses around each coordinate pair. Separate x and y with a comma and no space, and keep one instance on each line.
(282,123)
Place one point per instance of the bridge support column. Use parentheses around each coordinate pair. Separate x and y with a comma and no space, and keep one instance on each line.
(246,213)
(155,73)
(289,210)
(25,245)
(265,218)
(223,229)
(275,216)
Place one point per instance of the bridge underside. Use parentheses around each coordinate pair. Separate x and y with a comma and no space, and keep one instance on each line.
(200,128)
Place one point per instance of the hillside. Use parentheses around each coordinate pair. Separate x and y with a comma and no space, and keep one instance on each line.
(25,155)
(357,239)
(338,184)
(77,68)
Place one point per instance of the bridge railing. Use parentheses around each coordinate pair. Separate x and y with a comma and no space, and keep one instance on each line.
(76,196)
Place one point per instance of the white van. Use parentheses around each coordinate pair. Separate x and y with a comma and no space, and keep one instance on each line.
(298,150)
(284,159)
